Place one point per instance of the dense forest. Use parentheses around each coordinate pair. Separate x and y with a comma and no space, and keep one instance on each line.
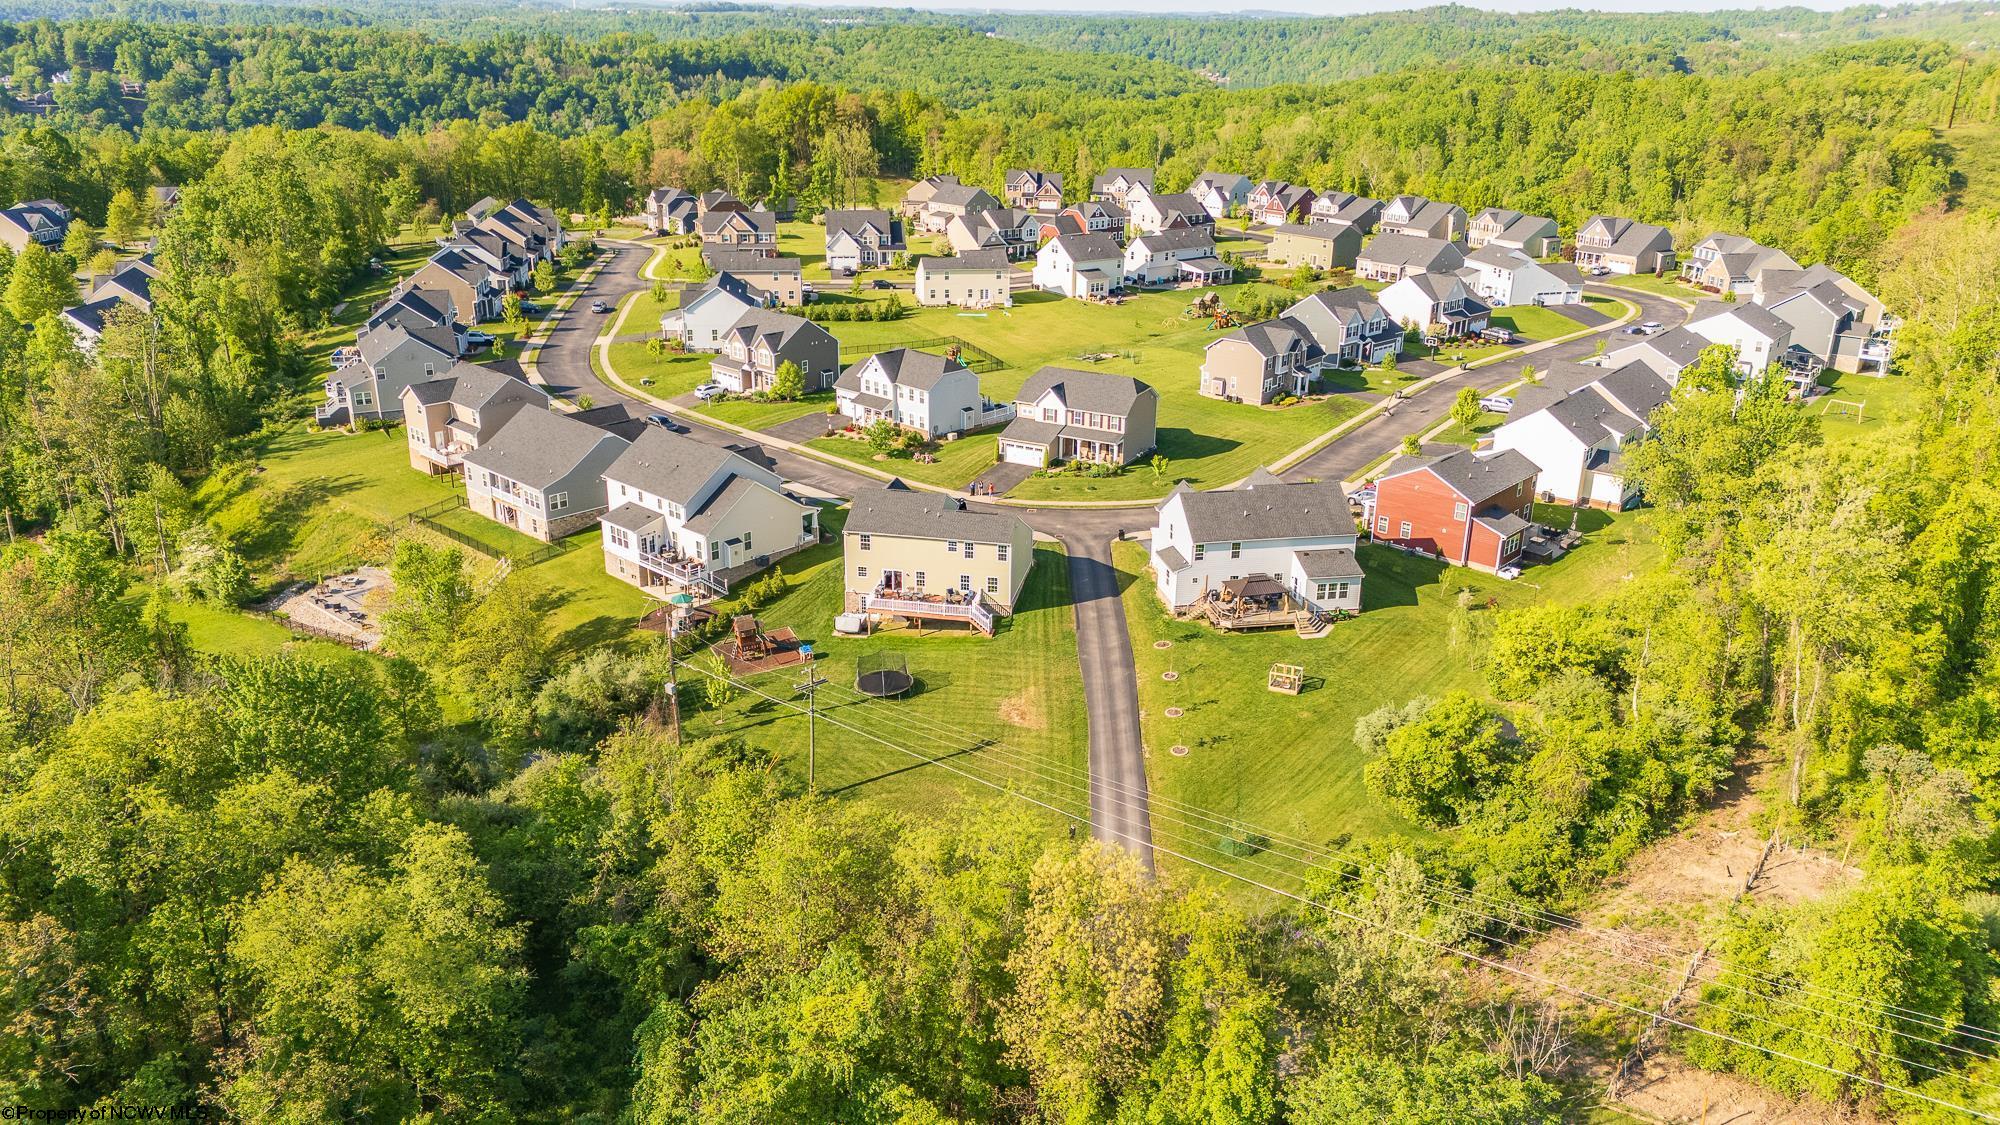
(471,881)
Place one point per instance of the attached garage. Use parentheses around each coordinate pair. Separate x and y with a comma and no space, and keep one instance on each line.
(1021,453)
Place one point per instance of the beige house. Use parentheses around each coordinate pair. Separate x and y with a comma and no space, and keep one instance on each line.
(781,280)
(446,418)
(927,557)
(977,279)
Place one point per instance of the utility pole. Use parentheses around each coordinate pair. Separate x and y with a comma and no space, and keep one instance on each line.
(1952,117)
(810,685)
(673,681)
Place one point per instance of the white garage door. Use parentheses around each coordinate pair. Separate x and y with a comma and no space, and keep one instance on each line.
(1015,453)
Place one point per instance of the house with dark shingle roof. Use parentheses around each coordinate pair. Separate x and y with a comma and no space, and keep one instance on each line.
(951,201)
(1220,193)
(1007,229)
(371,376)
(1322,246)
(476,286)
(447,417)
(1033,190)
(669,210)
(1300,537)
(738,230)
(1152,213)
(1732,264)
(1061,414)
(1262,362)
(1619,245)
(1424,218)
(688,516)
(779,281)
(762,340)
(973,279)
(1273,202)
(1121,185)
(42,222)
(1393,257)
(1532,235)
(1349,325)
(1665,354)
(541,474)
(1080,265)
(917,390)
(129,287)
(1168,256)
(862,239)
(1440,303)
(1577,435)
(1759,335)
(1358,211)
(928,556)
(1472,509)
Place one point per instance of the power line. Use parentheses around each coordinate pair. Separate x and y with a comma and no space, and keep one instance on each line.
(1463,954)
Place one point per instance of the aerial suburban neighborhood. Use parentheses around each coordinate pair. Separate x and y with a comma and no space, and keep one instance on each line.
(783,563)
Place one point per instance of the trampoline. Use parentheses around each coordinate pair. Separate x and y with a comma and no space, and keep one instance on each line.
(883,675)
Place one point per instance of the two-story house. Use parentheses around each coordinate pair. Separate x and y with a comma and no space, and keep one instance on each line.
(1393,257)
(1532,235)
(541,474)
(1166,257)
(1079,265)
(1424,218)
(1273,202)
(1010,230)
(128,291)
(1349,326)
(1322,246)
(40,222)
(953,201)
(1261,363)
(781,281)
(1220,193)
(1033,190)
(1833,320)
(1300,536)
(1665,354)
(920,391)
(1095,216)
(708,310)
(475,286)
(686,515)
(917,199)
(1357,211)
(763,340)
(1617,245)
(927,557)
(669,210)
(862,239)
(370,379)
(1121,185)
(448,417)
(1759,335)
(1576,424)
(1062,414)
(974,279)
(1471,509)
(1440,303)
(1500,275)
(739,230)
(1152,213)
(1731,264)
(414,306)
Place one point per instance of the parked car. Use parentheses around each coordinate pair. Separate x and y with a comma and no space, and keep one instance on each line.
(882,283)
(599,307)
(667,423)
(1599,271)
(1498,404)
(1634,330)
(478,339)
(1651,327)
(529,308)
(709,390)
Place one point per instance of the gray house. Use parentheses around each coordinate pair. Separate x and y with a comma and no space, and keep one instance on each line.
(369,384)
(862,239)
(1261,362)
(1349,325)
(541,474)
(1065,415)
(762,340)
(707,311)
(1393,257)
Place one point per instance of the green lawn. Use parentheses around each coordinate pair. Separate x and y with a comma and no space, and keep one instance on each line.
(235,633)
(1533,322)
(1020,688)
(1460,435)
(338,330)
(1288,763)
(958,462)
(1207,442)
(1883,401)
(754,415)
(1646,283)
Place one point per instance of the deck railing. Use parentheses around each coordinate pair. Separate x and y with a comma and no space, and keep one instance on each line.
(971,611)
(686,571)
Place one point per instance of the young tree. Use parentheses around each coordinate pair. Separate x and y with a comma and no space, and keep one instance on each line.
(1413,446)
(1465,409)
(788,383)
(39,284)
(545,277)
(124,221)
(79,242)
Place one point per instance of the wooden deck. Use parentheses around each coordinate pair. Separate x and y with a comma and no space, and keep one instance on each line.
(785,652)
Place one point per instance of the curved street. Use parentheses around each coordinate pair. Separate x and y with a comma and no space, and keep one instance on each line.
(1118,794)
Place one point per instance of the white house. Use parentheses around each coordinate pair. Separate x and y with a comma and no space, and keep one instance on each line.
(708,310)
(1576,425)
(1079,265)
(1759,335)
(1502,276)
(1156,259)
(1424,299)
(1299,535)
(1219,193)
(1152,212)
(684,513)
(927,393)
(976,279)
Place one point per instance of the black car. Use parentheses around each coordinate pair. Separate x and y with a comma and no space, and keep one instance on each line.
(667,423)
(882,283)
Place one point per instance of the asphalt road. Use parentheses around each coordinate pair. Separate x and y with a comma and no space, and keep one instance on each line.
(1119,806)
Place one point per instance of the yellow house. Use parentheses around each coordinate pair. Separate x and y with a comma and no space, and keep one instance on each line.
(924,555)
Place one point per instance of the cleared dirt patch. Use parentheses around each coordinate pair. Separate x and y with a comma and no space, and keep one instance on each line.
(1023,709)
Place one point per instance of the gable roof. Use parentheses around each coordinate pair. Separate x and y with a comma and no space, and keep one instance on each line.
(969,260)
(1327,313)
(375,344)
(1229,183)
(1757,318)
(673,466)
(1095,391)
(1132,175)
(1477,477)
(1668,353)
(761,222)
(854,222)
(1088,246)
(472,385)
(962,195)
(1413,251)
(1275,337)
(1628,237)
(748,261)
(898,511)
(905,367)
(1264,507)
(1320,229)
(538,447)
(1177,238)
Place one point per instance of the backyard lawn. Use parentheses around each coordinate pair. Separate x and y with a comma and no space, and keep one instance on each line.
(1288,764)
(1856,405)
(1021,688)
(958,462)
(1647,283)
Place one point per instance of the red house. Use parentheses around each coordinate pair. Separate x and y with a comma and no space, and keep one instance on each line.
(1468,508)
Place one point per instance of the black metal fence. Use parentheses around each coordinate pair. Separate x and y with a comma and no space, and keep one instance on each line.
(971,355)
(424,517)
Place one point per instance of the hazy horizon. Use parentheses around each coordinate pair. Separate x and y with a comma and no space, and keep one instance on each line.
(1314,7)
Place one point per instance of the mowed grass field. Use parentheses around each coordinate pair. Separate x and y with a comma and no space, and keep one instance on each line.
(1019,690)
(1288,764)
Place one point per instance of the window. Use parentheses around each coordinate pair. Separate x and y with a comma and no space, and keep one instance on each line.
(992,584)
(951,546)
(558,501)
(621,538)
(965,583)
(867,542)
(1332,591)
(1382,525)
(860,572)
(715,552)
(1458,512)
(1200,549)
(1406,529)
(968,550)
(918,581)
(747,548)
(1236,550)
(1001,552)
(364,398)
